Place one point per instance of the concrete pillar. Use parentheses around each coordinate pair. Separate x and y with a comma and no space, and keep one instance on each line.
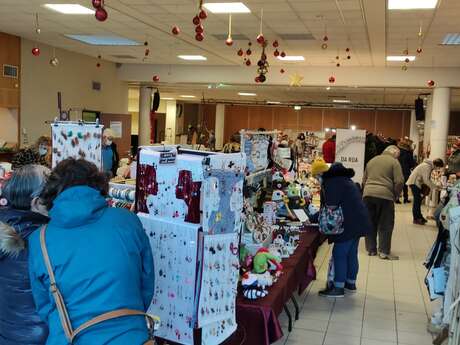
(145,105)
(414,131)
(440,122)
(170,135)
(427,127)
(219,130)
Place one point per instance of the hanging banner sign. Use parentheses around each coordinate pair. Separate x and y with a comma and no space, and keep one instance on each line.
(350,150)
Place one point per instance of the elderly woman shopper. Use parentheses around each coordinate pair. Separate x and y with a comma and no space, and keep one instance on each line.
(24,214)
(100,258)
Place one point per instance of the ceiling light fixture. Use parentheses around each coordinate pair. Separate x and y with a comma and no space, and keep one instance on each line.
(69,8)
(400,58)
(412,4)
(249,94)
(96,40)
(328,88)
(341,101)
(273,102)
(227,7)
(297,107)
(291,58)
(186,96)
(353,127)
(167,99)
(192,57)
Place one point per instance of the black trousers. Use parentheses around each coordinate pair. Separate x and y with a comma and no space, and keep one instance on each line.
(417,205)
(406,193)
(382,213)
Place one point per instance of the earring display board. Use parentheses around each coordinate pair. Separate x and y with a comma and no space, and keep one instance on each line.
(77,140)
(256,145)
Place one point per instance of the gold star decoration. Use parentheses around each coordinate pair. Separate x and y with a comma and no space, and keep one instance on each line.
(296,79)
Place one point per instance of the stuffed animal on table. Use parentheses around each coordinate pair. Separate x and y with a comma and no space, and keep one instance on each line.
(251,287)
(264,260)
(295,201)
(282,204)
(278,181)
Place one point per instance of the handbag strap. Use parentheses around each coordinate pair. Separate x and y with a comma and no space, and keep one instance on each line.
(70,333)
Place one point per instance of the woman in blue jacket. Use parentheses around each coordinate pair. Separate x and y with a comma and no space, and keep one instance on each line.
(101,259)
(19,322)
(339,189)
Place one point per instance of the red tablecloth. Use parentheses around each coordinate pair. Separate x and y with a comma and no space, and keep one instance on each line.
(258,320)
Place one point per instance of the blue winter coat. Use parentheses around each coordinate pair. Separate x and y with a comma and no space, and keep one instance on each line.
(102,261)
(19,322)
(339,189)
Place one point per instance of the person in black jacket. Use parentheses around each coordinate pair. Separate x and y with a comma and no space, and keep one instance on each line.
(110,157)
(407,161)
(339,189)
(19,322)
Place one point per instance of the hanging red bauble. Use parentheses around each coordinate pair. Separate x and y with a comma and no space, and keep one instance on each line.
(407,60)
(175,30)
(99,56)
(283,54)
(98,65)
(229,41)
(276,53)
(347,50)
(257,80)
(349,57)
(325,38)
(324,46)
(431,83)
(331,79)
(147,52)
(248,52)
(146,43)
(263,56)
(249,43)
(36,51)
(337,57)
(248,62)
(240,52)
(101,14)
(338,64)
(282,71)
(97,3)
(156,78)
(199,29)
(275,44)
(196,20)
(419,50)
(260,39)
(199,36)
(203,14)
(262,78)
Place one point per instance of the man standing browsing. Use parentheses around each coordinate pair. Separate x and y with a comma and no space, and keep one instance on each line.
(383,182)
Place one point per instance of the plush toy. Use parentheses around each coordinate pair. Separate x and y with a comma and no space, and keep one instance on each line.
(251,287)
(263,259)
(278,181)
(282,204)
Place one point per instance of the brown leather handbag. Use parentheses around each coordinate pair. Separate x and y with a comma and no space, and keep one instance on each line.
(70,333)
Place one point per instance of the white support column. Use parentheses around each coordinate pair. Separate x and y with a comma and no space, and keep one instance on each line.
(427,129)
(145,105)
(220,122)
(440,122)
(170,135)
(414,131)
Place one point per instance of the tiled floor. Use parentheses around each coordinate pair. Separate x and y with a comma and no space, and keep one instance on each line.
(391,307)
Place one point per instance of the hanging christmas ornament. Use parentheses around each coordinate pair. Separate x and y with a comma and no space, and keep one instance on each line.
(337,57)
(419,50)
(283,54)
(99,57)
(229,40)
(406,52)
(431,83)
(156,78)
(347,50)
(332,79)
(404,67)
(146,43)
(248,62)
(349,57)
(324,46)
(338,64)
(54,62)
(97,4)
(196,20)
(249,43)
(199,37)
(175,30)
(257,80)
(203,14)
(35,51)
(296,79)
(262,78)
(37,25)
(199,29)
(240,52)
(420,39)
(276,53)
(98,65)
(263,65)
(325,37)
(407,60)
(282,71)
(147,52)
(275,44)
(260,38)
(249,51)
(101,14)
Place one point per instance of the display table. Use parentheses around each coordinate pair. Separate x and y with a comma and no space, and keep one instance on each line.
(258,320)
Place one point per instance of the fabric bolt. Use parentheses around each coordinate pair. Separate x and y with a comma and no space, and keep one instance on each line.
(382,213)
(102,261)
(19,322)
(346,264)
(417,204)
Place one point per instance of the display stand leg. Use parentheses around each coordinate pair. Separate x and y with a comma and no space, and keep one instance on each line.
(296,306)
(288,313)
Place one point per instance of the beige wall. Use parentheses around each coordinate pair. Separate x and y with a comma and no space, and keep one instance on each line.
(9,127)
(73,77)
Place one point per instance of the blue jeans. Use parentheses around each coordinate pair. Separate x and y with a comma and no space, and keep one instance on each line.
(346,264)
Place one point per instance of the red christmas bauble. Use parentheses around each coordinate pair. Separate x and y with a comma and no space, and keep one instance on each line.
(248,52)
(275,44)
(147,52)
(146,43)
(199,36)
(276,53)
(36,51)
(249,43)
(262,78)
(261,39)
(248,62)
(203,14)
(196,20)
(325,38)
(101,14)
(337,57)
(338,65)
(283,54)
(347,50)
(156,78)
(332,79)
(407,60)
(431,83)
(349,57)
(199,29)
(282,71)
(240,52)
(98,65)
(97,3)
(175,30)
(229,41)
(419,50)
(257,80)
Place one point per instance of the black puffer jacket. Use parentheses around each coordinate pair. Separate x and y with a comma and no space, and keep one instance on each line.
(339,189)
(19,323)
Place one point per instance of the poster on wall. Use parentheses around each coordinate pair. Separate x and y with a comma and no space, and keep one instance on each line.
(117,128)
(350,150)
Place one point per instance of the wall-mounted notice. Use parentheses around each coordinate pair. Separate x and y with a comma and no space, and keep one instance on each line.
(350,149)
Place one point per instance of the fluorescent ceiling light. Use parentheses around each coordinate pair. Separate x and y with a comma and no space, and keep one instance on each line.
(273,102)
(291,58)
(167,99)
(186,96)
(412,4)
(193,57)
(400,58)
(328,88)
(297,107)
(451,39)
(341,101)
(69,8)
(353,127)
(227,7)
(96,40)
(246,94)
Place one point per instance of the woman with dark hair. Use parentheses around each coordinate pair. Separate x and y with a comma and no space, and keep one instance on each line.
(19,322)
(100,256)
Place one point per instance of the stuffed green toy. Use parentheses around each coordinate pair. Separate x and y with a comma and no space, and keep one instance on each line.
(262,260)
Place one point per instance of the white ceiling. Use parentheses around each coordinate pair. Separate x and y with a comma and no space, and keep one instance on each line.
(363,25)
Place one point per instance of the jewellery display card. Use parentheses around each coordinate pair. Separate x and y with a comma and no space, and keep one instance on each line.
(219,279)
(174,246)
(218,332)
(256,148)
(77,140)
